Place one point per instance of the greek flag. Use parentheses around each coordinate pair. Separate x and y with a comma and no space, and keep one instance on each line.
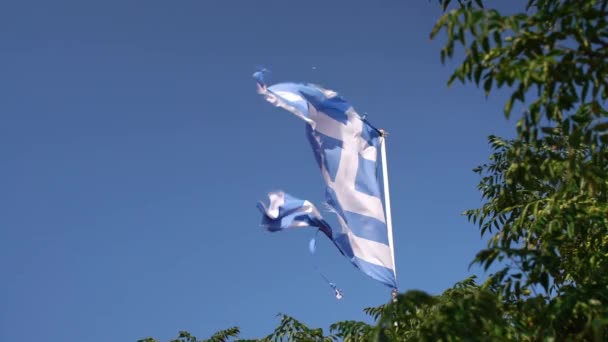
(346,148)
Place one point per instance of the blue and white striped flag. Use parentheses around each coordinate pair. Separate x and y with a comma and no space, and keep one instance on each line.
(346,148)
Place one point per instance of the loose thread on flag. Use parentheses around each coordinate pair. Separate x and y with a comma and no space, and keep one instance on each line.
(312,248)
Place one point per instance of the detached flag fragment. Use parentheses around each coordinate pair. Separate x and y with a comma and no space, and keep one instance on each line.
(346,148)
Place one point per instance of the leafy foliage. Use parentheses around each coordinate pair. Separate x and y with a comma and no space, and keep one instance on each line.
(220,336)
(290,329)
(545,193)
(545,207)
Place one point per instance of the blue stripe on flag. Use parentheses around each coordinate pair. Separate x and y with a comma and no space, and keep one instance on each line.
(382,274)
(366,227)
(343,244)
(332,150)
(366,180)
(334,107)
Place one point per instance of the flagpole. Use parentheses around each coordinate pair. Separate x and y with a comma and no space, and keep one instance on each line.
(387,203)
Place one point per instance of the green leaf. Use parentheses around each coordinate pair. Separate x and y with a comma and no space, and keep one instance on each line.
(550,130)
(477,75)
(508,107)
(544,281)
(601,127)
(485,44)
(497,38)
(487,85)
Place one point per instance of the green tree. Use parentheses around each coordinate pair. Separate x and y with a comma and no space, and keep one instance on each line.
(545,208)
(184,336)
(545,192)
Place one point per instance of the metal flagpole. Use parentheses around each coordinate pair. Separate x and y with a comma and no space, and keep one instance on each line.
(387,203)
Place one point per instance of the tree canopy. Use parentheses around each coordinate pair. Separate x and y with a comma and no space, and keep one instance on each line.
(545,208)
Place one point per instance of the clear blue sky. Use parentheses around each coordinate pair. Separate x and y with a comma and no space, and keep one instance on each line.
(133,149)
